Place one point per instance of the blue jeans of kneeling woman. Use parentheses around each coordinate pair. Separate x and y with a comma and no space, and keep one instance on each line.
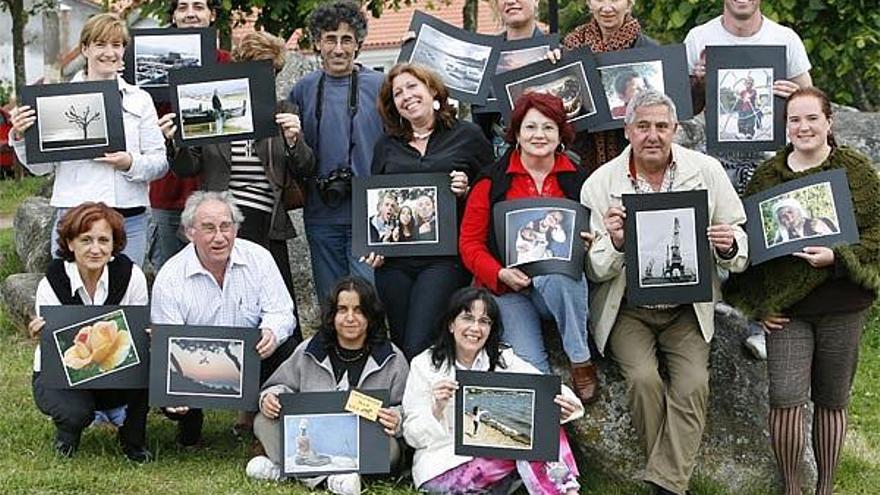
(551,297)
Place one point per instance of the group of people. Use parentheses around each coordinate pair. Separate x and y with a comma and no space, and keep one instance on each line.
(463,312)
(403,221)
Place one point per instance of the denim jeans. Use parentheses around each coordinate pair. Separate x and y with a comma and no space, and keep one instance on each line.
(330,247)
(135,233)
(551,297)
(165,240)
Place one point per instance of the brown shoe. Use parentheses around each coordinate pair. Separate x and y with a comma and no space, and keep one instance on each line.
(585,382)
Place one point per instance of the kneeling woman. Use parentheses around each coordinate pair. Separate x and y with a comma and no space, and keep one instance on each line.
(92,271)
(350,350)
(470,339)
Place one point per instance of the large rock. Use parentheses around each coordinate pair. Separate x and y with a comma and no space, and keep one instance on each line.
(735,451)
(296,65)
(32,226)
(17,295)
(301,269)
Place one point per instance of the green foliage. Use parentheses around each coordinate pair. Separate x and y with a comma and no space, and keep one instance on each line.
(13,192)
(6,91)
(841,37)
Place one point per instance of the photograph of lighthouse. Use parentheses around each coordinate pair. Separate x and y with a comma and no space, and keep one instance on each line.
(669,248)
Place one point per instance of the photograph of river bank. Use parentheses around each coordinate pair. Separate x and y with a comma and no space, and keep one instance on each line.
(498,417)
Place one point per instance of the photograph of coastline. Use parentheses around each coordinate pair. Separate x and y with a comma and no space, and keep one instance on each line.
(155,55)
(216,108)
(205,367)
(498,417)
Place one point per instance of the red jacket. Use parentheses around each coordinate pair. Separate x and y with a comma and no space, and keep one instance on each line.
(170,192)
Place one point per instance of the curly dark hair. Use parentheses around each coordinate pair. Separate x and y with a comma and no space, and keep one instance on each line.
(400,127)
(371,307)
(328,17)
(443,350)
(213,6)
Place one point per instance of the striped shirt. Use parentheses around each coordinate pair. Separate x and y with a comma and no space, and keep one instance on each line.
(247,178)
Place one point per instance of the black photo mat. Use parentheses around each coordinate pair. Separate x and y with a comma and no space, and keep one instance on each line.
(463,59)
(223,102)
(513,54)
(335,441)
(207,367)
(153,52)
(668,257)
(573,78)
(75,121)
(74,347)
(742,114)
(517,416)
(432,235)
(541,236)
(817,210)
(662,68)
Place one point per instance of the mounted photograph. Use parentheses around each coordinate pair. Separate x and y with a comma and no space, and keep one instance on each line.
(815,210)
(742,113)
(322,443)
(153,52)
(205,367)
(223,103)
(573,79)
(499,417)
(513,54)
(404,215)
(94,347)
(622,82)
(74,121)
(464,60)
(667,251)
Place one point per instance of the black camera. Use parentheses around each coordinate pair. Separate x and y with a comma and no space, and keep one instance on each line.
(335,187)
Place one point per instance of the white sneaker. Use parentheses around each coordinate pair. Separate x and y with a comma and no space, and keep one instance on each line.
(262,468)
(757,345)
(344,484)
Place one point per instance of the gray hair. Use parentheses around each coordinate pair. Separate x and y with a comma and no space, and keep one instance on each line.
(648,98)
(198,198)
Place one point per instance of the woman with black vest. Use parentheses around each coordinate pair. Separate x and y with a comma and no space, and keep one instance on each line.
(535,167)
(93,271)
(422,135)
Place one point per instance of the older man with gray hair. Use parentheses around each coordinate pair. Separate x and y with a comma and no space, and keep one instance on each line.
(218,280)
(669,417)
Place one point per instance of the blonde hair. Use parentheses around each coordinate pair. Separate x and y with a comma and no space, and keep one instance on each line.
(261,45)
(103,27)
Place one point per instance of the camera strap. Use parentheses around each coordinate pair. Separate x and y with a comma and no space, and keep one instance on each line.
(352,111)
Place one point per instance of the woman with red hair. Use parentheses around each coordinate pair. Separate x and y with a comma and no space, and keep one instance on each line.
(534,167)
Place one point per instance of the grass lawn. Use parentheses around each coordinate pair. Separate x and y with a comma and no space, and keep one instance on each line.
(12,192)
(29,465)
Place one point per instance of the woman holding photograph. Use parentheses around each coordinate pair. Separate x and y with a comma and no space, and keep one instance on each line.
(422,136)
(611,28)
(534,168)
(813,304)
(119,178)
(350,350)
(255,172)
(92,270)
(469,338)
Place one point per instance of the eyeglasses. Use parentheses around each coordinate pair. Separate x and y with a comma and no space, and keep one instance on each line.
(211,230)
(330,42)
(469,319)
(532,129)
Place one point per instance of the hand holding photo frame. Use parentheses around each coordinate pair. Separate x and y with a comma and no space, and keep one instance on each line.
(513,54)
(541,235)
(626,72)
(404,215)
(153,52)
(742,114)
(815,210)
(223,103)
(95,347)
(507,415)
(464,60)
(668,258)
(209,367)
(573,78)
(75,121)
(320,437)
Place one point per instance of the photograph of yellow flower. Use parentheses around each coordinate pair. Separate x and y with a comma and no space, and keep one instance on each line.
(96,347)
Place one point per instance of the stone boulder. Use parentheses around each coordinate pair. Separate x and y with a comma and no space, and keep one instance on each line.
(33,227)
(301,269)
(17,295)
(296,65)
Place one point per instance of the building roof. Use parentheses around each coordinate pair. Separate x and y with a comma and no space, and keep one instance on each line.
(387,30)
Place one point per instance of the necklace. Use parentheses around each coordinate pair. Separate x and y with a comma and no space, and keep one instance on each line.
(422,136)
(352,359)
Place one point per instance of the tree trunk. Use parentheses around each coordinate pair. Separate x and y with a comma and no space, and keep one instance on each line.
(19,19)
(469,14)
